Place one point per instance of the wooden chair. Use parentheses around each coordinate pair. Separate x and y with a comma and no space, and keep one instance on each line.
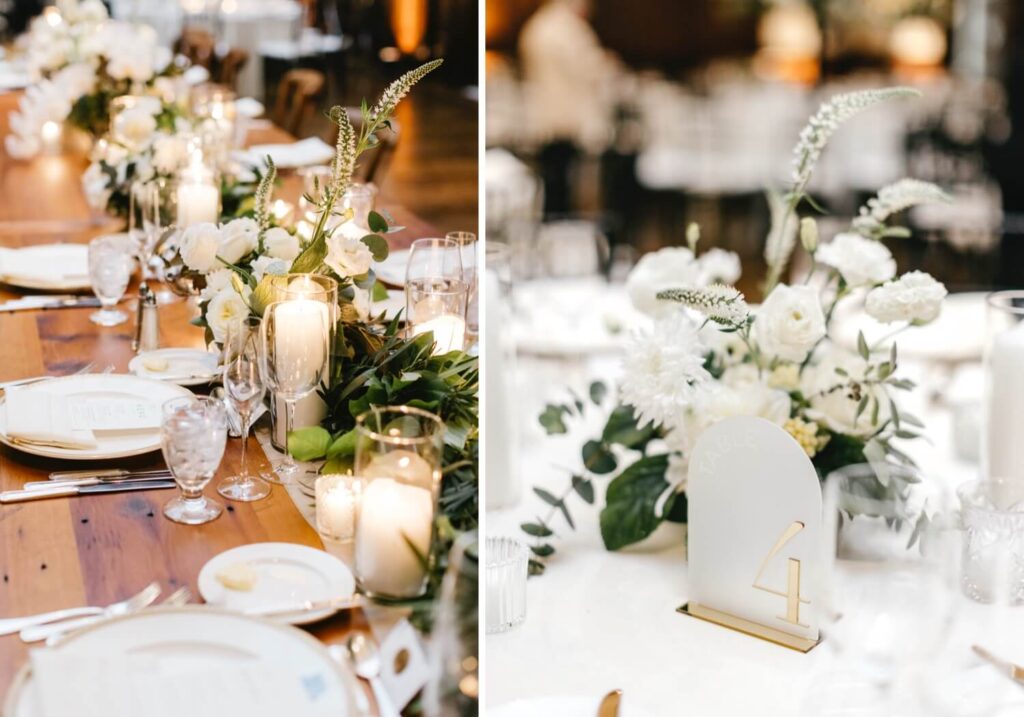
(230,66)
(198,45)
(375,163)
(298,95)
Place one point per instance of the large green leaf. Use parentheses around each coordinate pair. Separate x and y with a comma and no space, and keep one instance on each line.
(623,428)
(312,257)
(629,514)
(309,444)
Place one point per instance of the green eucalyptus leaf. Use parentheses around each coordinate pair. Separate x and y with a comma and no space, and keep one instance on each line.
(862,346)
(598,458)
(584,489)
(598,391)
(378,246)
(544,550)
(547,497)
(377,223)
(537,530)
(553,419)
(622,428)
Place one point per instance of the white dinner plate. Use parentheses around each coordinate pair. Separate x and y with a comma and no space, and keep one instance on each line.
(562,706)
(185,367)
(72,259)
(392,270)
(111,444)
(199,636)
(286,573)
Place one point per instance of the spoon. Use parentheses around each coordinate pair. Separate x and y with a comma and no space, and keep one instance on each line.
(366,660)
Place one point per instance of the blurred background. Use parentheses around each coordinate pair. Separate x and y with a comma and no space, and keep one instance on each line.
(637,118)
(300,57)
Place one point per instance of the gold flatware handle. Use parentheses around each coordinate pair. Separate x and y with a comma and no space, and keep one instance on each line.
(1012,670)
(609,706)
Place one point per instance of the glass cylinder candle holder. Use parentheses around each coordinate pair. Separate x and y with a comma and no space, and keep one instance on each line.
(398,455)
(198,193)
(361,200)
(992,564)
(51,137)
(337,502)
(438,306)
(213,106)
(1003,451)
(507,567)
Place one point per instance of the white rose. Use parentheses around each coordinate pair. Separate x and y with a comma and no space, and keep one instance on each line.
(280,244)
(216,281)
(238,238)
(833,400)
(860,261)
(789,323)
(199,247)
(269,265)
(226,310)
(914,297)
(667,268)
(135,126)
(348,257)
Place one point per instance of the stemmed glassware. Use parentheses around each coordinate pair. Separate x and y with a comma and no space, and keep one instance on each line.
(110,269)
(194,434)
(468,255)
(436,292)
(152,215)
(294,337)
(244,390)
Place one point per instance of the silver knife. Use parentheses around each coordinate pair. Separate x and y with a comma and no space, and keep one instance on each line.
(33,305)
(108,473)
(83,482)
(61,491)
(348,603)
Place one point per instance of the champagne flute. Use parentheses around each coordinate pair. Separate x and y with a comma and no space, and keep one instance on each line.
(158,212)
(244,390)
(294,337)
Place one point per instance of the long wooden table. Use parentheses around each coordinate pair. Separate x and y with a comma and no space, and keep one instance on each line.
(98,549)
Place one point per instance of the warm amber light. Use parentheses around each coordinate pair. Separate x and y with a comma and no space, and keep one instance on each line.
(408,23)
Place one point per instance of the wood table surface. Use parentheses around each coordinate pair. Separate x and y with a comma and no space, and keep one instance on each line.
(98,549)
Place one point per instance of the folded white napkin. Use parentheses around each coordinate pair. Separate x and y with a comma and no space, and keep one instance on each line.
(35,416)
(90,685)
(55,263)
(304,153)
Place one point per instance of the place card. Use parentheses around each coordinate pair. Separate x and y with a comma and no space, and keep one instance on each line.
(404,670)
(754,532)
(113,414)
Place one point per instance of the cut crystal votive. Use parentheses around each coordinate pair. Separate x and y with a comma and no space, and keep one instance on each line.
(507,565)
(992,568)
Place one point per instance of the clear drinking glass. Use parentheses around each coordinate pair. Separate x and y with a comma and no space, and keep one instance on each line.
(110,269)
(468,254)
(361,199)
(507,562)
(436,292)
(993,542)
(889,564)
(294,337)
(193,436)
(244,390)
(572,248)
(398,457)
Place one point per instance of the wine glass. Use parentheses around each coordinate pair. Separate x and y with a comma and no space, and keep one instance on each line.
(294,338)
(158,215)
(434,258)
(193,434)
(244,390)
(468,254)
(436,292)
(110,269)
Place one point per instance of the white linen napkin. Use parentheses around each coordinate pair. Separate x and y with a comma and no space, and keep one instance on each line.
(65,683)
(55,263)
(35,416)
(304,153)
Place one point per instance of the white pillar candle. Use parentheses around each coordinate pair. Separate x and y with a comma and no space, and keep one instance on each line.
(337,499)
(449,332)
(394,518)
(503,485)
(1005,454)
(198,203)
(300,349)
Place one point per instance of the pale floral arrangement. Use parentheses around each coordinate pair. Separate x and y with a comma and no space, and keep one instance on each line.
(80,59)
(711,355)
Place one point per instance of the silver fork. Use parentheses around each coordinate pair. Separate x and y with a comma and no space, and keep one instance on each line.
(15,624)
(36,379)
(179,597)
(132,604)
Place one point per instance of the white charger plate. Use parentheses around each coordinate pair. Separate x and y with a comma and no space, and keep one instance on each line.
(392,270)
(201,636)
(562,706)
(46,255)
(185,367)
(286,573)
(111,444)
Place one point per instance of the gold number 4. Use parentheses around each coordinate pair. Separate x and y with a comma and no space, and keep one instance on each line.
(792,592)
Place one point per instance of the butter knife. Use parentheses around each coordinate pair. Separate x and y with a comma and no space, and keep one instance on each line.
(609,706)
(349,603)
(61,491)
(105,474)
(101,480)
(1013,671)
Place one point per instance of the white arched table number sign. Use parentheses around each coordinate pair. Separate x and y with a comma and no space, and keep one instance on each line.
(754,533)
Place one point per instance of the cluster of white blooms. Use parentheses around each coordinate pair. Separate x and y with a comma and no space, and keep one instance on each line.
(894,198)
(48,100)
(915,297)
(677,267)
(860,261)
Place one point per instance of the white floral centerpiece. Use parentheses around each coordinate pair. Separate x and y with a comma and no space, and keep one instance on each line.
(80,59)
(711,355)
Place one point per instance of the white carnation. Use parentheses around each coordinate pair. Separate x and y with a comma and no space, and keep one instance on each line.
(348,257)
(239,237)
(789,323)
(280,244)
(915,297)
(199,246)
(226,310)
(860,261)
(664,369)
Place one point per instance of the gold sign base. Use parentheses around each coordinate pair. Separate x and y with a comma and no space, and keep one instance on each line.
(801,644)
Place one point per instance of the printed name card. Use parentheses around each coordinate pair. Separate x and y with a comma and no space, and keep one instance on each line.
(754,532)
(113,414)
